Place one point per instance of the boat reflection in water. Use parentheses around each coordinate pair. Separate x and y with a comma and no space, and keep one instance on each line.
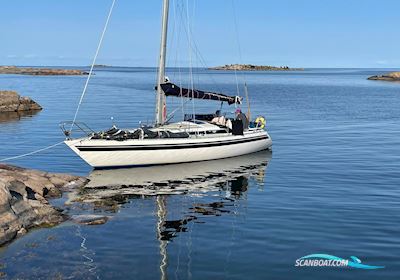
(183,178)
(221,181)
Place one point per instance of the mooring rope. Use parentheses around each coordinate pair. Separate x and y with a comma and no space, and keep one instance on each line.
(93,63)
(31,153)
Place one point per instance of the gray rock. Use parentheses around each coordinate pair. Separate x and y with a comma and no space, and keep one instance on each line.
(23,203)
(25,212)
(90,219)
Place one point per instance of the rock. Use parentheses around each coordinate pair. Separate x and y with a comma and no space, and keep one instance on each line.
(62,176)
(37,196)
(21,232)
(23,203)
(9,224)
(24,211)
(40,71)
(18,187)
(42,186)
(10,101)
(90,219)
(75,184)
(58,182)
(250,67)
(27,104)
(393,76)
(5,197)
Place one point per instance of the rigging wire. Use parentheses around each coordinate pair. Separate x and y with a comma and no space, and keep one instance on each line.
(171,41)
(82,95)
(237,85)
(240,60)
(175,8)
(196,61)
(171,115)
(190,59)
(180,15)
(92,66)
(237,41)
(198,54)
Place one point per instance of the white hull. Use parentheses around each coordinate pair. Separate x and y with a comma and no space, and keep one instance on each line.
(110,153)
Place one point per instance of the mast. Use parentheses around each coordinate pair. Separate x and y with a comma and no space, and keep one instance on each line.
(161,100)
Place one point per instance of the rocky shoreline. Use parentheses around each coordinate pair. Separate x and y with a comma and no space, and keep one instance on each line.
(393,76)
(250,67)
(40,71)
(10,101)
(24,195)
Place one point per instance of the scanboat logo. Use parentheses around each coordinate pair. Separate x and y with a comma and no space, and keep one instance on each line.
(329,260)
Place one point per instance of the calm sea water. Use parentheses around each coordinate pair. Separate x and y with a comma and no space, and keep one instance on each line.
(332,185)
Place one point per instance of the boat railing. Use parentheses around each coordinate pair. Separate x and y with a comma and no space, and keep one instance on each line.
(70,127)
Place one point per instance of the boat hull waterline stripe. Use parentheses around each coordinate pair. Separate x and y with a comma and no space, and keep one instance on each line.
(168,146)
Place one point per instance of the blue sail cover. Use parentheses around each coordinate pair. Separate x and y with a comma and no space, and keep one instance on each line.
(173,90)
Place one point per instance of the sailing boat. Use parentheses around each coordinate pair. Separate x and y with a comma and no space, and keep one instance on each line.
(197,138)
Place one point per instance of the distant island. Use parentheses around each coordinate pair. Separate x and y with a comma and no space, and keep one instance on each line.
(250,67)
(100,65)
(393,76)
(40,71)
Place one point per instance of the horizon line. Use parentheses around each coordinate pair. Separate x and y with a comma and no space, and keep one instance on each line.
(171,67)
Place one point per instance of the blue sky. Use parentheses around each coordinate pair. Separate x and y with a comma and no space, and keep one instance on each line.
(298,33)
